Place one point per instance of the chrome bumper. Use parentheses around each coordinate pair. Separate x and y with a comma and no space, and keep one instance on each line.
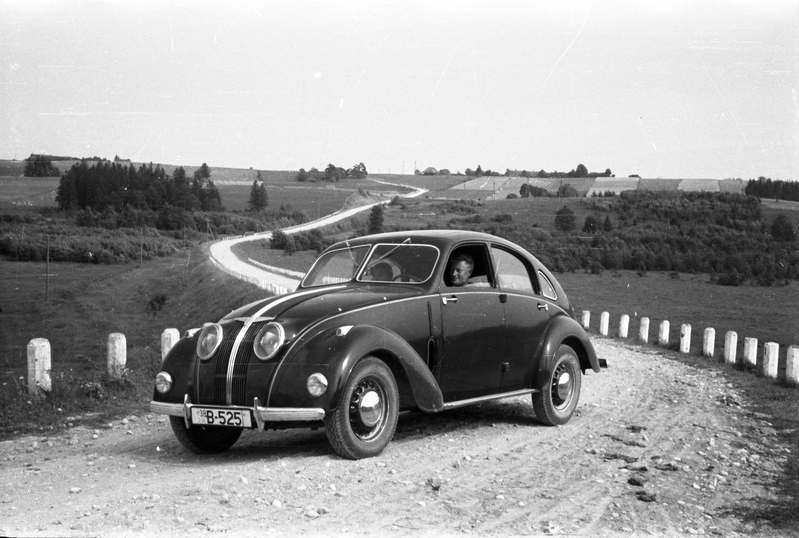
(261,414)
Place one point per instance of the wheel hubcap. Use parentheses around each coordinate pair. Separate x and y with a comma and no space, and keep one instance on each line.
(370,409)
(562,386)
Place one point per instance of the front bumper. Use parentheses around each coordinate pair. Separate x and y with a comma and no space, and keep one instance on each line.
(262,415)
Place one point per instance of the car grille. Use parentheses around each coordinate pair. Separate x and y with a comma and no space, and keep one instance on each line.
(242,360)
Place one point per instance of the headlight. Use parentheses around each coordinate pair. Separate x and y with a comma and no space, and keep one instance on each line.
(268,340)
(317,385)
(163,382)
(209,340)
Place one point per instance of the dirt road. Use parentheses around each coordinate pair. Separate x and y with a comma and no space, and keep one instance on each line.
(657,447)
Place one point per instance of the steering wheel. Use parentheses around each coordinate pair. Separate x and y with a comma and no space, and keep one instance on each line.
(406,277)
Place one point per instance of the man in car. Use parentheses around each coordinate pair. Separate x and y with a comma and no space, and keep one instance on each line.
(382,272)
(460,269)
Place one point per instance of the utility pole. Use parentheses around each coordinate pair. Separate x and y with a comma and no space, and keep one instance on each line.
(47,274)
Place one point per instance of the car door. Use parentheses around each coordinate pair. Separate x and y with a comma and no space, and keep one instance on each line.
(527,313)
(473,332)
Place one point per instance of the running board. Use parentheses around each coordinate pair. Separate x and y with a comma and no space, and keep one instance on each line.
(481,399)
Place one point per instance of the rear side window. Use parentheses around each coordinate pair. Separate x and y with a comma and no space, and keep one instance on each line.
(547,289)
(512,273)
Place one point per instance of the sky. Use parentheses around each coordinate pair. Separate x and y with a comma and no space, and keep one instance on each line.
(672,89)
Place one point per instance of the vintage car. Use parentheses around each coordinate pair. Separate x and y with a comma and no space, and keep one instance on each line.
(424,320)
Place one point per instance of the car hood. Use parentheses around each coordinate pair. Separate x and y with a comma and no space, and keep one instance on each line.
(323,302)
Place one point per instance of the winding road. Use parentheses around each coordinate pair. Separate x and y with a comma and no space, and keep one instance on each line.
(223,257)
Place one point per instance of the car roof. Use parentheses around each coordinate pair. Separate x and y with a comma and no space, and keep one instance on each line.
(439,238)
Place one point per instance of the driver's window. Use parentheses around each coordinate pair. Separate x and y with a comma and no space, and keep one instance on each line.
(512,273)
(468,266)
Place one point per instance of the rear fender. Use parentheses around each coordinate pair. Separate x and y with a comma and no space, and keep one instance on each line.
(564,330)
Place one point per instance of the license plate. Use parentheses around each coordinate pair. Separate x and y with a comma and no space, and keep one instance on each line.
(236,418)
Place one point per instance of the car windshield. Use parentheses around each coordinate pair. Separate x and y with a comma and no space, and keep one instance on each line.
(403,262)
(335,266)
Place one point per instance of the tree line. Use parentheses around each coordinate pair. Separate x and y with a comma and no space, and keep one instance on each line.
(764,187)
(332,173)
(722,234)
(107,184)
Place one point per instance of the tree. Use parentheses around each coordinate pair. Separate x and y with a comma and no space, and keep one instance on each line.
(358,171)
(565,219)
(581,171)
(567,191)
(40,166)
(332,173)
(203,172)
(782,228)
(479,171)
(258,197)
(591,224)
(376,219)
(607,226)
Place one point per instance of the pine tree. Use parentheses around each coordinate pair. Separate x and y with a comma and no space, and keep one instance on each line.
(258,197)
(376,220)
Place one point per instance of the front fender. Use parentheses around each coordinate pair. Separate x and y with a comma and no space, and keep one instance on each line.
(180,364)
(564,330)
(335,353)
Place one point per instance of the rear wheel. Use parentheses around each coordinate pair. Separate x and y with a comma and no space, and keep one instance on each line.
(204,439)
(555,404)
(366,417)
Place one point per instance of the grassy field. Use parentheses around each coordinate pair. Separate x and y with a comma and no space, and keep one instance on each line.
(86,303)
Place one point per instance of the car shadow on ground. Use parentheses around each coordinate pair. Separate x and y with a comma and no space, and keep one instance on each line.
(412,427)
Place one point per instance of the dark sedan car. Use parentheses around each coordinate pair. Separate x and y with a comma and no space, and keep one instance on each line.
(426,320)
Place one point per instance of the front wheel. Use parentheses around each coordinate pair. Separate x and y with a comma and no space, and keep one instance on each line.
(204,439)
(556,403)
(366,417)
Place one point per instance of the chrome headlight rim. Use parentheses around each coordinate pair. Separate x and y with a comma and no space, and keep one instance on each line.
(208,331)
(163,382)
(265,353)
(316,384)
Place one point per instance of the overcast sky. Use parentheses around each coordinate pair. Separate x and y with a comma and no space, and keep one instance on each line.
(662,89)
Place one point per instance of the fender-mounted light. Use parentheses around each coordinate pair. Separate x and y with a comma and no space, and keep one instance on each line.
(316,384)
(268,340)
(163,382)
(209,340)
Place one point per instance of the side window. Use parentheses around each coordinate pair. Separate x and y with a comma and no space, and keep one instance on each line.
(473,267)
(547,289)
(512,273)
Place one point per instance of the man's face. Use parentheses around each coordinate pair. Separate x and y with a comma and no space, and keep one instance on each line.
(460,273)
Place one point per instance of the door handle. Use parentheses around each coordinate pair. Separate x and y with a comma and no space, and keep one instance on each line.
(543,306)
(452,299)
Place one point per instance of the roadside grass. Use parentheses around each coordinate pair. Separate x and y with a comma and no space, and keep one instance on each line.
(87,303)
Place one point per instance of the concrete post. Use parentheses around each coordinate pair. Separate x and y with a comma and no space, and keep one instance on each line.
(685,338)
(750,352)
(169,338)
(603,323)
(730,347)
(771,359)
(643,330)
(663,336)
(586,319)
(117,355)
(792,365)
(709,342)
(624,326)
(39,368)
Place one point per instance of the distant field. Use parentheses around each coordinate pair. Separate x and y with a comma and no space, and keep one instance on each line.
(27,191)
(314,201)
(648,184)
